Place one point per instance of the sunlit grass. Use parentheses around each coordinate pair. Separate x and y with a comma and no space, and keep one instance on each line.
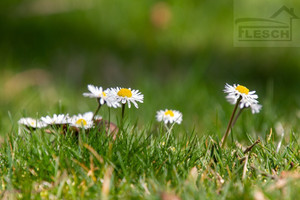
(142,162)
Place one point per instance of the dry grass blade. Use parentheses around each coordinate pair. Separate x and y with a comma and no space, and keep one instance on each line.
(245,168)
(259,195)
(80,164)
(250,147)
(264,173)
(94,152)
(168,196)
(106,182)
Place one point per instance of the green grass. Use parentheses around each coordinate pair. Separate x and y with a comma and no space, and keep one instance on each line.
(142,164)
(50,52)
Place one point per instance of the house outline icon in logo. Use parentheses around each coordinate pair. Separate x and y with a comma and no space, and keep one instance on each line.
(279,27)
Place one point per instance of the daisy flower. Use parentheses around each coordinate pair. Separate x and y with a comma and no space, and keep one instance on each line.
(126,95)
(96,92)
(33,123)
(83,121)
(247,98)
(104,96)
(169,116)
(242,97)
(56,119)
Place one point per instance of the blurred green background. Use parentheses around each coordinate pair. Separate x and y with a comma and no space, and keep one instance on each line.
(178,53)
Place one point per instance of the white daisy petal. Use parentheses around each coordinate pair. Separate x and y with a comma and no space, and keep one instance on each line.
(135,104)
(101,101)
(111,99)
(88,115)
(56,119)
(255,108)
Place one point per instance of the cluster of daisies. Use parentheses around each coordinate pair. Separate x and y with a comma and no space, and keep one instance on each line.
(111,97)
(81,120)
(117,97)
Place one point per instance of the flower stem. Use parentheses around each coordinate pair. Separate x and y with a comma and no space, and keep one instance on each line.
(168,131)
(230,122)
(98,108)
(237,116)
(123,111)
(108,131)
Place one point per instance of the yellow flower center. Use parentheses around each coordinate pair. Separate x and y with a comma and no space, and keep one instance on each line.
(32,123)
(242,89)
(125,92)
(169,112)
(81,122)
(103,94)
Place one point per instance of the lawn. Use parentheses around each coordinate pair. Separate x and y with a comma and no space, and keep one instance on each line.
(142,162)
(179,55)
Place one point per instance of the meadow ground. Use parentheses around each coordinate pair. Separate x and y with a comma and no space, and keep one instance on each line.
(142,163)
(179,54)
